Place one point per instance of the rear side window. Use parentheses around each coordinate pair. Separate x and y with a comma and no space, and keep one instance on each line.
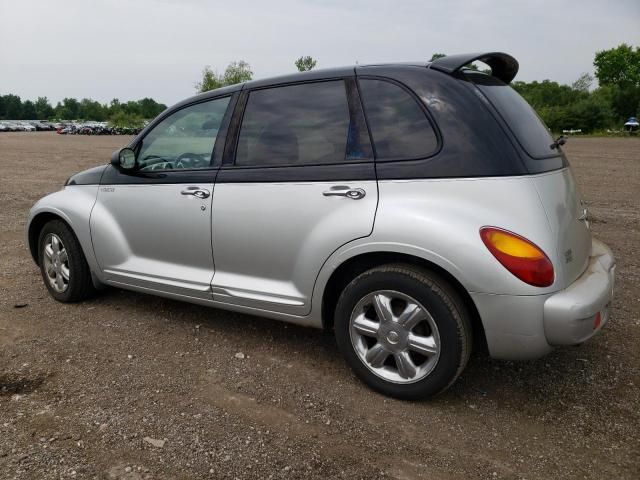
(303,124)
(530,131)
(399,126)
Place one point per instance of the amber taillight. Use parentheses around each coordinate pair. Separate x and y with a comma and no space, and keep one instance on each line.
(521,257)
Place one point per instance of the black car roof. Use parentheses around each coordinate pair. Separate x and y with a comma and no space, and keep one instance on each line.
(503,66)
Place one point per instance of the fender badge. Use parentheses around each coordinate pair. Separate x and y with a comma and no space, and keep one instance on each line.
(107,189)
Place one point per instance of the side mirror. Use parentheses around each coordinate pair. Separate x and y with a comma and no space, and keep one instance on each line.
(124,159)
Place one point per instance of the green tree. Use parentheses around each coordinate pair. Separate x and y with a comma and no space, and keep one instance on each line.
(583,83)
(44,110)
(436,56)
(132,108)
(237,72)
(618,69)
(114,105)
(11,108)
(589,114)
(92,110)
(618,66)
(28,110)
(304,64)
(210,80)
(149,108)
(546,93)
(123,119)
(69,109)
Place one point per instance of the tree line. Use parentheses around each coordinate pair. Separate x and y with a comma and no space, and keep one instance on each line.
(575,106)
(132,112)
(608,106)
(579,106)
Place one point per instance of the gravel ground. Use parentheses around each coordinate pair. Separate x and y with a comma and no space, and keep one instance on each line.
(129,386)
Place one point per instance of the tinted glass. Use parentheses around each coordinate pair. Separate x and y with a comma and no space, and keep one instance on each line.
(399,127)
(184,139)
(529,129)
(298,124)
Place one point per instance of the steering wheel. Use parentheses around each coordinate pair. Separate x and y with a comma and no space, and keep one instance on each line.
(187,155)
(160,166)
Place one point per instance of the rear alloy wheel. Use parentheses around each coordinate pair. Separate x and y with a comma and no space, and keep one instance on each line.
(62,263)
(394,336)
(404,331)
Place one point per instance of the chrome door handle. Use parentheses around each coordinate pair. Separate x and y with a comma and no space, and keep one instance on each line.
(196,192)
(340,191)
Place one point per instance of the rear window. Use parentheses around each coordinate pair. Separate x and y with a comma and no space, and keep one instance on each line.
(528,128)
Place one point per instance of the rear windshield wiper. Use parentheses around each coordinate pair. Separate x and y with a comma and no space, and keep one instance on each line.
(558,142)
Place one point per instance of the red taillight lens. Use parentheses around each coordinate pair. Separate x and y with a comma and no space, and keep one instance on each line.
(518,255)
(597,320)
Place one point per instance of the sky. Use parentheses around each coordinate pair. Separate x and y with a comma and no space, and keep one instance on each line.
(157,48)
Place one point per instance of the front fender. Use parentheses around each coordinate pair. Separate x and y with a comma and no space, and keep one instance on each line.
(73,205)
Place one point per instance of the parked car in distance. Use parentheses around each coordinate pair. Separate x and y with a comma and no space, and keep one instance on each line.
(26,127)
(416,210)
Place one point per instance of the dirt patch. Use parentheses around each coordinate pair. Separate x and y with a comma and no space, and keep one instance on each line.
(19,384)
(124,366)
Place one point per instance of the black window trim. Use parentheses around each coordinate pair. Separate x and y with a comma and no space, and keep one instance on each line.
(422,106)
(233,138)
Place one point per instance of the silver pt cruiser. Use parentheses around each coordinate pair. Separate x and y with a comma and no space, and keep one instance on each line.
(415,209)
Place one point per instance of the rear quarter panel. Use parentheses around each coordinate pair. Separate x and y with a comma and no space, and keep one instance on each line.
(439,220)
(445,216)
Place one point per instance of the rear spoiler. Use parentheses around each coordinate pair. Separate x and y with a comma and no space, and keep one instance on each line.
(503,66)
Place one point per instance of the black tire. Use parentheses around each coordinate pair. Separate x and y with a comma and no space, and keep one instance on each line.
(79,285)
(444,305)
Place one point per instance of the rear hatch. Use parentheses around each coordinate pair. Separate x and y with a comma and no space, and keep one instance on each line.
(551,176)
(568,221)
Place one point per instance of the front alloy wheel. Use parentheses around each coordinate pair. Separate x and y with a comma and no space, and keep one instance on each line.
(56,263)
(62,263)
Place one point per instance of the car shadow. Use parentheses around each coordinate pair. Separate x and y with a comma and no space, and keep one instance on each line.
(567,373)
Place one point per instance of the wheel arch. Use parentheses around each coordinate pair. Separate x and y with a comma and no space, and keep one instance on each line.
(36,225)
(355,265)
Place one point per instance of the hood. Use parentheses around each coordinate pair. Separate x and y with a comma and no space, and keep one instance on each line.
(91,176)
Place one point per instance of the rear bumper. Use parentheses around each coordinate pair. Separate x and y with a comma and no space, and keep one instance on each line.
(528,327)
(570,315)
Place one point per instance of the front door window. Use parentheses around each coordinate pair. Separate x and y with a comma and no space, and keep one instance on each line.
(185,139)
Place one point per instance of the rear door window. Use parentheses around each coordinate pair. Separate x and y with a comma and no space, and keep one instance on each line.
(305,124)
(399,126)
(523,121)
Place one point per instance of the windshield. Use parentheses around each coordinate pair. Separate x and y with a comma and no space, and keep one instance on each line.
(529,129)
